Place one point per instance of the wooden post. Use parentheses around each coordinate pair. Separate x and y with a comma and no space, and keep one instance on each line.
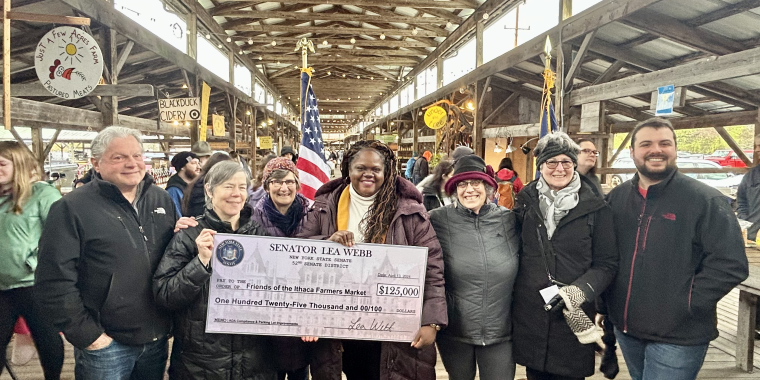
(415,130)
(192,36)
(6,65)
(439,72)
(233,124)
(478,143)
(38,148)
(756,157)
(479,27)
(745,334)
(110,103)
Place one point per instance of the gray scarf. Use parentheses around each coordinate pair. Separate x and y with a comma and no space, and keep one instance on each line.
(555,205)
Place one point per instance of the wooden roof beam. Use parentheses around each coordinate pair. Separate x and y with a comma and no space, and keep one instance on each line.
(267,28)
(727,11)
(325,16)
(467,4)
(704,71)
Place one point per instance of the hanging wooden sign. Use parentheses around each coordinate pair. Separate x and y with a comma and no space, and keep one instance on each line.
(68,62)
(218,122)
(435,117)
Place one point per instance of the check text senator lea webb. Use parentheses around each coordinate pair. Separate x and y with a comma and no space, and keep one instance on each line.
(325,250)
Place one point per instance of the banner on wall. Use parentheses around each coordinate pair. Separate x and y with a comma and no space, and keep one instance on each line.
(218,123)
(205,93)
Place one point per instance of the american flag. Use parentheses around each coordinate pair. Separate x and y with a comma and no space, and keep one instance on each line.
(313,170)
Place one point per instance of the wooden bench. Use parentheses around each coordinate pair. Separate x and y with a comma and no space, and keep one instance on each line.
(749,290)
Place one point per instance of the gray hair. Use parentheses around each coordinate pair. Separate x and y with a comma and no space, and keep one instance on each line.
(220,173)
(104,138)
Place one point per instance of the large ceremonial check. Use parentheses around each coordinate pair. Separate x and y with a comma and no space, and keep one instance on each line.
(296,287)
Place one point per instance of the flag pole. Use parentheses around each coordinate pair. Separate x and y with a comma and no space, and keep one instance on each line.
(305,45)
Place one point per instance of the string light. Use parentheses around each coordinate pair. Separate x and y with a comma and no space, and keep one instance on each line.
(229,39)
(187,123)
(382,36)
(485,16)
(274,43)
(260,58)
(208,36)
(176,122)
(250,41)
(353,40)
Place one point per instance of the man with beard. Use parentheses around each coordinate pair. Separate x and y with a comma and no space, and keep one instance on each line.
(681,251)
(188,167)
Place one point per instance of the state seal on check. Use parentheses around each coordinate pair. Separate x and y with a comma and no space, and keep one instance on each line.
(230,253)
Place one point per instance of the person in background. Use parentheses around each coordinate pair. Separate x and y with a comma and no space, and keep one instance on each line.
(289,153)
(181,284)
(282,213)
(86,178)
(460,152)
(257,191)
(434,193)
(421,167)
(508,184)
(194,199)
(202,150)
(371,203)
(480,255)
(748,197)
(24,205)
(410,166)
(587,163)
(188,168)
(682,251)
(568,250)
(96,262)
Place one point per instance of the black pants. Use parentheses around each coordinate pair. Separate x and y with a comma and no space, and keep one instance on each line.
(49,344)
(538,375)
(361,359)
(299,374)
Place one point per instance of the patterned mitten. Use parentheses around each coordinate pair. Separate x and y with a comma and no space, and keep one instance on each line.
(573,297)
(581,325)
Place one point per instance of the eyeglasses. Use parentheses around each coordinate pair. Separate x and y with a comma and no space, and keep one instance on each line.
(279,183)
(475,183)
(589,151)
(566,164)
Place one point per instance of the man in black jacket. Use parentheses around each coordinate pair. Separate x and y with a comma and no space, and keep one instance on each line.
(681,251)
(96,262)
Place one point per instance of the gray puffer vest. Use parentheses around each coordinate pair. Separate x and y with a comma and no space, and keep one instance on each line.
(480,266)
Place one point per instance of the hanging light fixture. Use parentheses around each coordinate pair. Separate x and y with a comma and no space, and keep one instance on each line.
(274,43)
(497,148)
(382,36)
(470,106)
(187,123)
(250,41)
(175,122)
(414,31)
(184,85)
(485,16)
(353,40)
(229,39)
(510,140)
(324,42)
(208,36)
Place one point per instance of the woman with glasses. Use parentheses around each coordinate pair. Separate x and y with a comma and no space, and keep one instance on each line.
(587,163)
(282,212)
(480,249)
(372,203)
(569,256)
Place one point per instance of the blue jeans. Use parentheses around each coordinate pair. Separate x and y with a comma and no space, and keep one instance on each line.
(122,362)
(648,360)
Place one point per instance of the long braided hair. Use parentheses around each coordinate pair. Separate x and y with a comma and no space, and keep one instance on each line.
(380,215)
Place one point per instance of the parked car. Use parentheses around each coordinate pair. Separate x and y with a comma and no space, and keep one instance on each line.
(727,157)
(726,183)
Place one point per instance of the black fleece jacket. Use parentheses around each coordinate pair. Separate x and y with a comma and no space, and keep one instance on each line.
(681,251)
(97,256)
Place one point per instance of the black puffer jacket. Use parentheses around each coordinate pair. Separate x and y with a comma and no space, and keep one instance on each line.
(582,252)
(181,284)
(480,266)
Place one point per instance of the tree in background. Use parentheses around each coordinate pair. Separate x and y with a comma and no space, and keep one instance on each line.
(706,140)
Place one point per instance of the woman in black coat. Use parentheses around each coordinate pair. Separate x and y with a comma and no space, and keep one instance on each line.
(568,241)
(181,284)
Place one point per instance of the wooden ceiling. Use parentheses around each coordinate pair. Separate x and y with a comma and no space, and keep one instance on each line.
(390,38)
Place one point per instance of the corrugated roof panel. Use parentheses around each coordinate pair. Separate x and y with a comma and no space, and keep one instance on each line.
(751,82)
(689,9)
(662,49)
(530,67)
(738,27)
(618,33)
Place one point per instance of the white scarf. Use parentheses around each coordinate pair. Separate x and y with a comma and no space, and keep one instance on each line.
(357,209)
(555,205)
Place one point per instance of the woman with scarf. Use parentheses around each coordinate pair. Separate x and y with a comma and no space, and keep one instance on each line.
(569,256)
(371,203)
(282,212)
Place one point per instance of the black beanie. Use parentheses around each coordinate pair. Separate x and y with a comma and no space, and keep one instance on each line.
(553,145)
(469,163)
(181,159)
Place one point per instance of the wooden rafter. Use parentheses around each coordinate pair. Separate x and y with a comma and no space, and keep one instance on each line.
(329,16)
(267,28)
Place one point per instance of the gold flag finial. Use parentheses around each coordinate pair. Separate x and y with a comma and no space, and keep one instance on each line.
(305,45)
(548,48)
